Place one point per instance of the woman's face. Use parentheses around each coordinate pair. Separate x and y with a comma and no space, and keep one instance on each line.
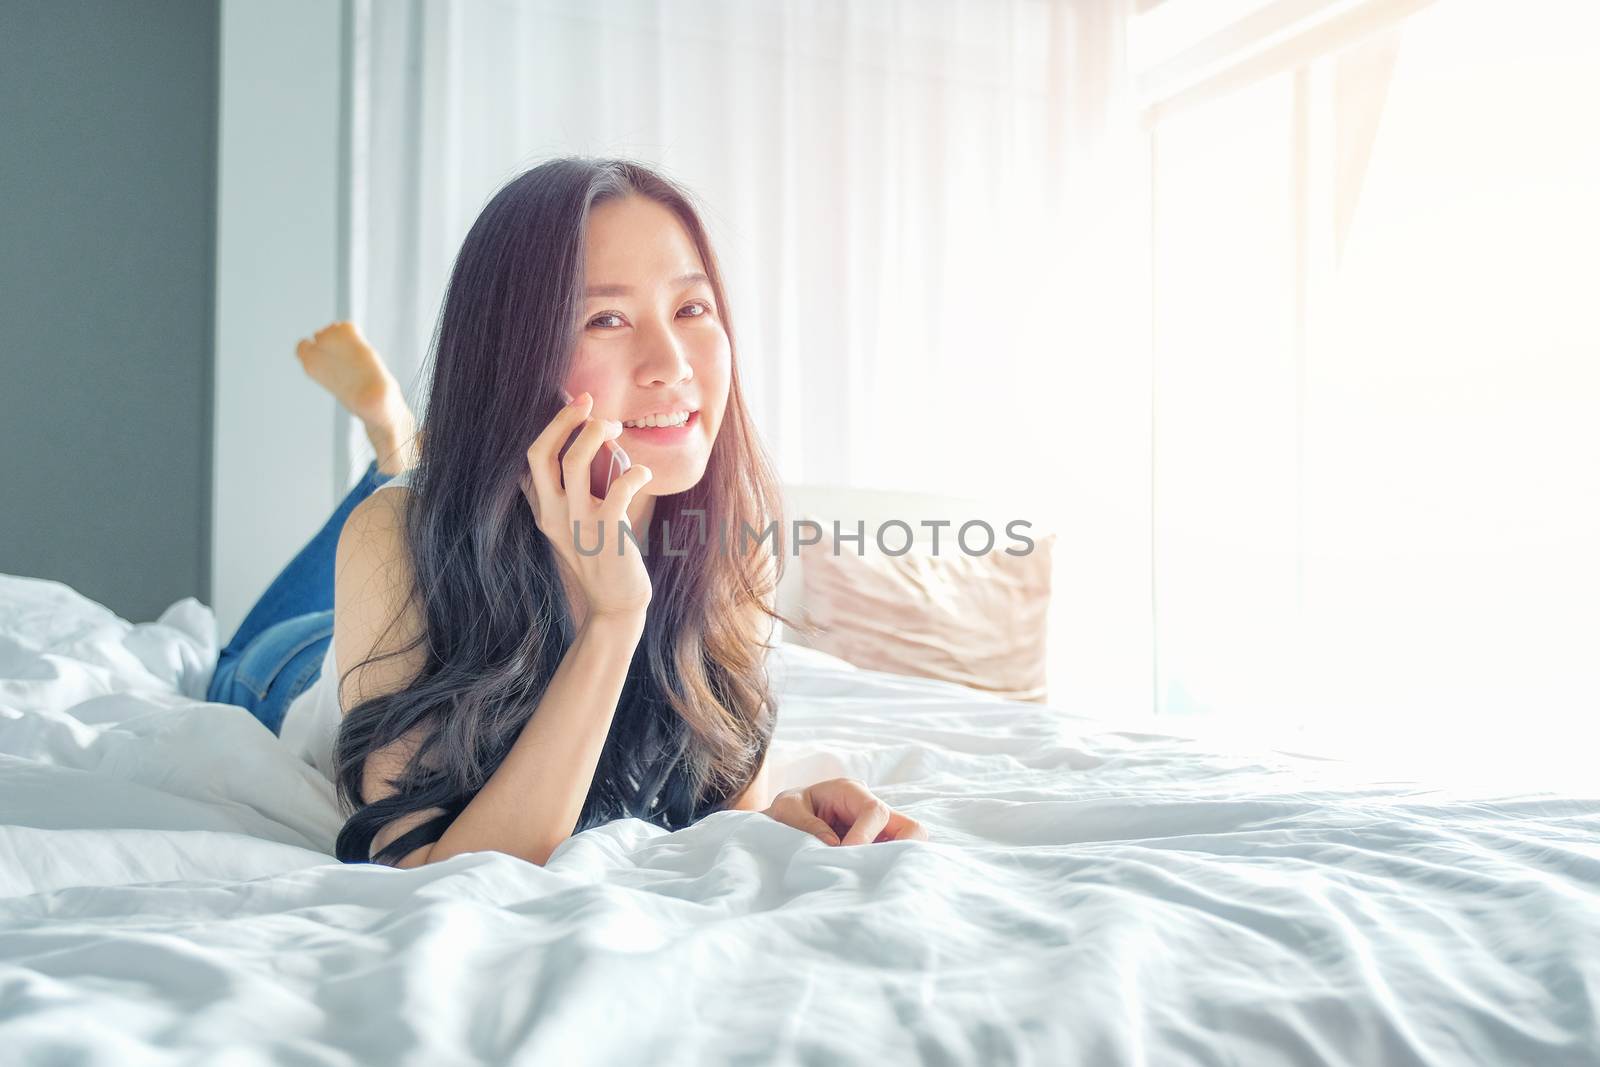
(651,344)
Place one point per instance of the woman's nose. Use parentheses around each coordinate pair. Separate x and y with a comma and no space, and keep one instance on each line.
(665,361)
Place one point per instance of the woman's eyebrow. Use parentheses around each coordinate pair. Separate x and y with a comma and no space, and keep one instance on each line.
(626,290)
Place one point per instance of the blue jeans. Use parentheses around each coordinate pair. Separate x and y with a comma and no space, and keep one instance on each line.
(278,651)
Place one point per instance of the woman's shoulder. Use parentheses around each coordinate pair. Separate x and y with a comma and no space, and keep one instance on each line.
(392,504)
(380,517)
(399,481)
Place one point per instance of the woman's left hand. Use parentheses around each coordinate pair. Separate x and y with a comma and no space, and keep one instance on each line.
(843,806)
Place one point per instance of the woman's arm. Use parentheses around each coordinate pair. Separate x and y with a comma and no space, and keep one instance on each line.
(533,800)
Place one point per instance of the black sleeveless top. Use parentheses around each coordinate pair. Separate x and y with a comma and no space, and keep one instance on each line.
(655,781)
(649,768)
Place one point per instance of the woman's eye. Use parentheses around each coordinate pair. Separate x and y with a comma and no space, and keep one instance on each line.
(705,309)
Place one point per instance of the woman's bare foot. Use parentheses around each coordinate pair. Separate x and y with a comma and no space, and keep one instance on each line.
(340,360)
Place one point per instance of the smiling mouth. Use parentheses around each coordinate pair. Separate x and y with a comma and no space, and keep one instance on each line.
(665,420)
(666,432)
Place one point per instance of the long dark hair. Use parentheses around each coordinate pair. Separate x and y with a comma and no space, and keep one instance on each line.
(696,713)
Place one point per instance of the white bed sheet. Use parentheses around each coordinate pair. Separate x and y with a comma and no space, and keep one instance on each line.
(1090,894)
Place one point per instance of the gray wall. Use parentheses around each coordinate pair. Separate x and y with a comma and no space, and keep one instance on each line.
(108,157)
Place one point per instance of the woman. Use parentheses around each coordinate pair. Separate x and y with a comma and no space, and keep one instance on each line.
(509,685)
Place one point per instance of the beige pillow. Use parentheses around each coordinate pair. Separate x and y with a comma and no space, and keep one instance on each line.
(975,620)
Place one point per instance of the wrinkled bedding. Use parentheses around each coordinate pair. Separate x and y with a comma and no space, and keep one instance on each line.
(1091,893)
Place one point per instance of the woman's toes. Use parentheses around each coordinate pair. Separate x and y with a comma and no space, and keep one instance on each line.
(340,360)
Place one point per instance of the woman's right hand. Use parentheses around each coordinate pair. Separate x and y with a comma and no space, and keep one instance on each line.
(612,584)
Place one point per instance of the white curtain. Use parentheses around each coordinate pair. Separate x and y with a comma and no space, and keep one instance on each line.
(928,211)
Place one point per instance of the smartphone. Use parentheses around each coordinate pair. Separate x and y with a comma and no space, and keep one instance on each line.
(609,461)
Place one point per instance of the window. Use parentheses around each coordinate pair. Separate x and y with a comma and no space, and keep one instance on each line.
(1376,482)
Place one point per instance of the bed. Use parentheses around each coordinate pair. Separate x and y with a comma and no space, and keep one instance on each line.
(1090,894)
